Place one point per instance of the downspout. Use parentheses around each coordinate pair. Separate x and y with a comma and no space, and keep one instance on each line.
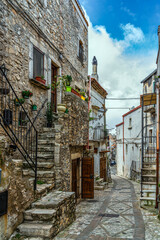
(89,105)
(157,154)
(123,145)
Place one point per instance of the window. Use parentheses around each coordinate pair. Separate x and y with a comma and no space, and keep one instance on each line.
(38,63)
(80,56)
(130,123)
(150,136)
(126,148)
(23,119)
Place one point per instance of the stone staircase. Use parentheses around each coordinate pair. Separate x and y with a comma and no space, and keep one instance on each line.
(54,210)
(48,216)
(45,162)
(100,184)
(148,184)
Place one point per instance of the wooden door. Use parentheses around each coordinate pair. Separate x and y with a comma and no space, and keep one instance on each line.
(76,177)
(103,168)
(88,178)
(54,91)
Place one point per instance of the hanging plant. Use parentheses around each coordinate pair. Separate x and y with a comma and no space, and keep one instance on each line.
(19,101)
(34,107)
(27,94)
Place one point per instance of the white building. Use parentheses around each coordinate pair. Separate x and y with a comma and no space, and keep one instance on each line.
(128,155)
(97,126)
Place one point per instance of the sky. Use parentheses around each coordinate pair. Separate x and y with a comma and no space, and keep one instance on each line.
(123,36)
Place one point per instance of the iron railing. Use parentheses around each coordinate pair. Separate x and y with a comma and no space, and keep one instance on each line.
(16,122)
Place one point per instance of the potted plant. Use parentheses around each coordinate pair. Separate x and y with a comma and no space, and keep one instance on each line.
(34,107)
(68,83)
(76,92)
(49,115)
(41,79)
(27,94)
(19,101)
(82,95)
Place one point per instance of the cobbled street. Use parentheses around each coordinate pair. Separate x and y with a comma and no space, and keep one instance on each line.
(113,214)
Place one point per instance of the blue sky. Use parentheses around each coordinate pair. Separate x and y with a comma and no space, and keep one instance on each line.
(111,13)
(123,37)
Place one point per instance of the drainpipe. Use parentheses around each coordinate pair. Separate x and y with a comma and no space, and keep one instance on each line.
(89,105)
(60,94)
(157,154)
(123,145)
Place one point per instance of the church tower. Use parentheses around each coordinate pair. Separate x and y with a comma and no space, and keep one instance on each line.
(94,68)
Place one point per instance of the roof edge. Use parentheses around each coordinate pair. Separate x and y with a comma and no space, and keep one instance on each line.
(133,110)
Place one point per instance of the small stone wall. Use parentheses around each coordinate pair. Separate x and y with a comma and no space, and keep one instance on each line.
(70,139)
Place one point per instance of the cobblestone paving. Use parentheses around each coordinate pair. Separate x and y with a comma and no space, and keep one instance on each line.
(113,214)
(152,224)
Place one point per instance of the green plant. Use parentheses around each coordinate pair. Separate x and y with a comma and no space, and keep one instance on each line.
(17,236)
(68,79)
(40,182)
(86,99)
(19,101)
(27,93)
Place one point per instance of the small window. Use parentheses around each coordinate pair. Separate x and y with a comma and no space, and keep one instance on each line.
(80,56)
(126,148)
(38,63)
(23,119)
(150,136)
(130,123)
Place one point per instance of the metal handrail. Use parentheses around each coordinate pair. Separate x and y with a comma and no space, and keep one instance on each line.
(14,127)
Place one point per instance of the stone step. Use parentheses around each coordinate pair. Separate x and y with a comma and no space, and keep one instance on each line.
(149,191)
(36,230)
(43,189)
(147,199)
(52,200)
(152,176)
(43,165)
(40,174)
(46,142)
(100,188)
(45,148)
(148,183)
(46,129)
(39,214)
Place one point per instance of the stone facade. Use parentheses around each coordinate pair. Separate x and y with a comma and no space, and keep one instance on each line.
(70,139)
(56,28)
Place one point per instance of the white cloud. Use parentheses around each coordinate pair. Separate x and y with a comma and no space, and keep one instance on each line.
(132,35)
(120,74)
(128,11)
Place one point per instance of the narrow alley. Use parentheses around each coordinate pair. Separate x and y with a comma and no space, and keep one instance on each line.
(113,214)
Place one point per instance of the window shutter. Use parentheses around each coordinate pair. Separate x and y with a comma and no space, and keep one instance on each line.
(30,60)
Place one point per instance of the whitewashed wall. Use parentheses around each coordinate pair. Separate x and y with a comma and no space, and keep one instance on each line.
(119,150)
(132,142)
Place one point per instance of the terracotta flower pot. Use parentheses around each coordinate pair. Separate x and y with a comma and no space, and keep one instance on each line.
(75,92)
(39,79)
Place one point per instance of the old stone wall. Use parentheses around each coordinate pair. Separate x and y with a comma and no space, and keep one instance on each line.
(55,28)
(20,192)
(70,139)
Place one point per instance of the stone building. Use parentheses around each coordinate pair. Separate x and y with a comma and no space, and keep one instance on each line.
(45,39)
(97,126)
(128,155)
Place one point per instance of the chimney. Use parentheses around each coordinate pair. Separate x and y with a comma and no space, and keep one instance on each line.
(94,68)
